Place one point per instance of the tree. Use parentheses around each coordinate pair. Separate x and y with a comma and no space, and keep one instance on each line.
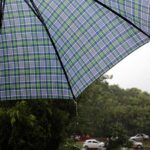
(36,125)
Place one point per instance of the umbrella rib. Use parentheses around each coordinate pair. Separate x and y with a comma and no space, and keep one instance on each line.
(2,7)
(39,16)
(100,3)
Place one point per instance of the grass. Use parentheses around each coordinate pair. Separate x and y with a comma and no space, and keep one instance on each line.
(79,144)
(147,143)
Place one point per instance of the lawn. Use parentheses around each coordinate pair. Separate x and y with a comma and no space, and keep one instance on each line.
(79,144)
(147,143)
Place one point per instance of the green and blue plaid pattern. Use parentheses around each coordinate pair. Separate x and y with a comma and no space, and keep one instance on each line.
(89,38)
(137,11)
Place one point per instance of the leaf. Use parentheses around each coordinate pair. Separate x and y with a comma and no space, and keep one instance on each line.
(13,120)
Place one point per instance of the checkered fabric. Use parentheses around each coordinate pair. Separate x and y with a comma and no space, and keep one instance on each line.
(89,38)
(137,11)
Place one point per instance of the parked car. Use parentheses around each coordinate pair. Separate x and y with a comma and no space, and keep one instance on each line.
(93,143)
(139,137)
(137,145)
(145,137)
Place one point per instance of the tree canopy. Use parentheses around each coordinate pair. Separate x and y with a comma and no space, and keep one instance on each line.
(103,110)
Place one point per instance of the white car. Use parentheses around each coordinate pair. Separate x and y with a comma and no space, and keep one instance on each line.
(139,137)
(92,143)
(145,137)
(138,145)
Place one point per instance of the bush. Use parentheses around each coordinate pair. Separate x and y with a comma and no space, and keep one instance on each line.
(32,125)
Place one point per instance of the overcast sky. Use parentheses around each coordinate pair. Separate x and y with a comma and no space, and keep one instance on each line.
(133,71)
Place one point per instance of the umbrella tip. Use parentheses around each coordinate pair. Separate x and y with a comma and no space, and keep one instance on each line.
(2,4)
(1,18)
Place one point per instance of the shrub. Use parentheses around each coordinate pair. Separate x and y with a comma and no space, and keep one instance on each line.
(32,125)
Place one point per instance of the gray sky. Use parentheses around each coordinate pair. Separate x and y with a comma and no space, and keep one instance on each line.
(133,71)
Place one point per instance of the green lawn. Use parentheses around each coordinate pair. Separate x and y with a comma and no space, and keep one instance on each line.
(79,144)
(147,143)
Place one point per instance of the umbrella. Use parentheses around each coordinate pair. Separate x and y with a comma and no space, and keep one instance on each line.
(56,48)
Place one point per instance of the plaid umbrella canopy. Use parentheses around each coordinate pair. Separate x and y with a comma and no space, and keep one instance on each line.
(56,48)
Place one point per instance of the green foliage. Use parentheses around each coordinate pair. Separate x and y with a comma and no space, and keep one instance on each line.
(35,125)
(67,145)
(106,111)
